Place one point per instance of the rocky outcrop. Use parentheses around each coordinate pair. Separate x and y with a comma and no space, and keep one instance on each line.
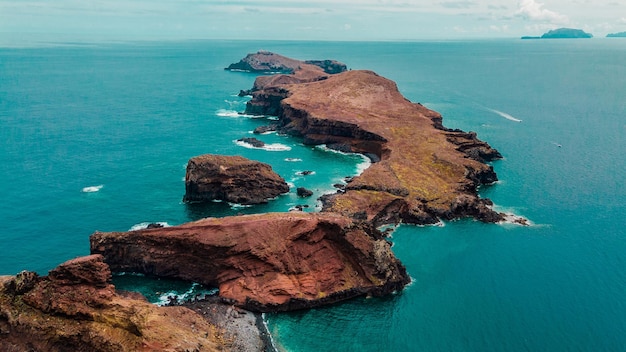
(233,179)
(75,308)
(266,262)
(268,62)
(616,35)
(303,192)
(566,33)
(422,171)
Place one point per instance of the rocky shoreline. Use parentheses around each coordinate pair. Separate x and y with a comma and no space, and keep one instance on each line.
(421,173)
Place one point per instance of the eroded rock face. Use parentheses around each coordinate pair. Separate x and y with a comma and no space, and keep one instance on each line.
(75,308)
(265,262)
(233,179)
(422,171)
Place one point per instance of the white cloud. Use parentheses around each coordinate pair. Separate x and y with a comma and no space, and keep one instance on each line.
(534,11)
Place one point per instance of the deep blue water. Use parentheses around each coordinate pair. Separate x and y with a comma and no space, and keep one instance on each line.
(128,116)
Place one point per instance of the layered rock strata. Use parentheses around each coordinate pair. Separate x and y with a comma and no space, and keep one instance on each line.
(265,262)
(423,172)
(75,308)
(233,179)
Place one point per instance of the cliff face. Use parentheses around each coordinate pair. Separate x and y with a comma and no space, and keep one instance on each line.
(266,262)
(232,179)
(423,171)
(75,308)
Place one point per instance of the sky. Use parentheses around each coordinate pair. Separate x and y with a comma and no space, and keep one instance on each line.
(361,20)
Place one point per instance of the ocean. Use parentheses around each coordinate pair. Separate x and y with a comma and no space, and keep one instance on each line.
(96,136)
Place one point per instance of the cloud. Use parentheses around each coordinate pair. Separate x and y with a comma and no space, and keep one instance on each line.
(534,11)
(458,4)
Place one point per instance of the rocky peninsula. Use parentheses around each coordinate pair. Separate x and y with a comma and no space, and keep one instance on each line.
(422,171)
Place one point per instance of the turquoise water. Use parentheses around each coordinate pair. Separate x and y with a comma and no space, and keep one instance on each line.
(128,116)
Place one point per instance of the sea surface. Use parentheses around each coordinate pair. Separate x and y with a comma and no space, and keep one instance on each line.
(96,136)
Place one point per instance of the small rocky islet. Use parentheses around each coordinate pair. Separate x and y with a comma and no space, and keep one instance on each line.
(422,172)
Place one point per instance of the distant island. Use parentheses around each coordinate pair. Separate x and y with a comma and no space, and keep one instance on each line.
(562,33)
(616,35)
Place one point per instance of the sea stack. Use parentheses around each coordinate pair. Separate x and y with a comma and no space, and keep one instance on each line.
(232,179)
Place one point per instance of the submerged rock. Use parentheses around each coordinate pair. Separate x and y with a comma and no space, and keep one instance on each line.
(265,262)
(233,179)
(303,192)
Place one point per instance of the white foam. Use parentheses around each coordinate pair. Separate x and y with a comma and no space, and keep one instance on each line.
(164,298)
(144,225)
(234,113)
(92,189)
(505,115)
(267,330)
(227,113)
(235,206)
(273,147)
(362,166)
(305,173)
(511,216)
(293,160)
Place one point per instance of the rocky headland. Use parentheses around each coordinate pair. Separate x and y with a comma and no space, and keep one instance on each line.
(264,262)
(422,171)
(76,308)
(232,179)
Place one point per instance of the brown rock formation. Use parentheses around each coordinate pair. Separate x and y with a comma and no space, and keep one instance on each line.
(75,308)
(266,262)
(232,179)
(268,62)
(423,171)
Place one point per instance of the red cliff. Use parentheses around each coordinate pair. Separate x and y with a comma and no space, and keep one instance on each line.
(422,171)
(233,179)
(266,262)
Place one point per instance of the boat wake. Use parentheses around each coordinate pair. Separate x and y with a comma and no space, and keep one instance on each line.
(505,115)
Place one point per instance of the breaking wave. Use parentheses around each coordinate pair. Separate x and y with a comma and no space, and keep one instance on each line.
(234,113)
(144,225)
(92,189)
(195,290)
(360,167)
(273,147)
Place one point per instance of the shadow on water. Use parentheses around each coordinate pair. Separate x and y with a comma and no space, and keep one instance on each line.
(197,211)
